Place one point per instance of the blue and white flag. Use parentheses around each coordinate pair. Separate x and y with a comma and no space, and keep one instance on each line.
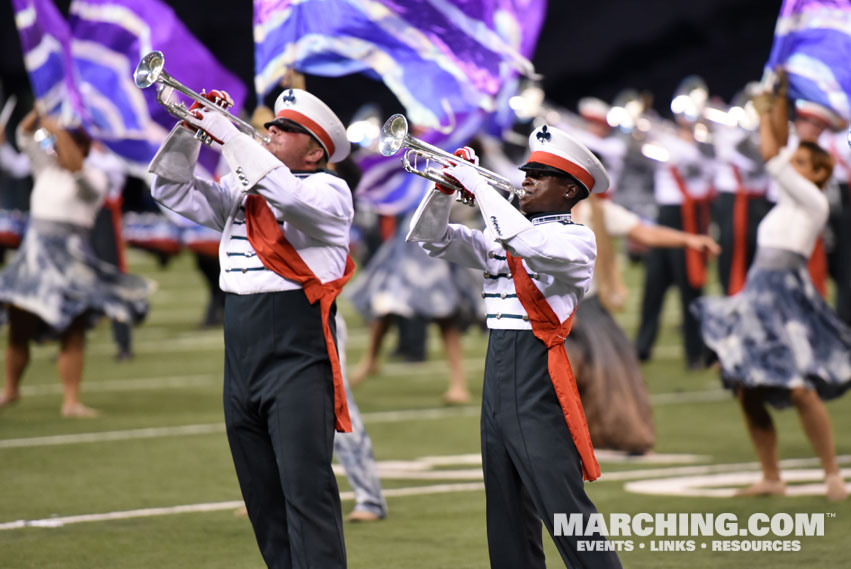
(108,38)
(45,43)
(812,41)
(441,59)
(87,64)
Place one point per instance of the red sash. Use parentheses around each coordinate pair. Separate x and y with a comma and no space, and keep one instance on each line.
(114,207)
(695,260)
(278,255)
(739,262)
(547,328)
(818,267)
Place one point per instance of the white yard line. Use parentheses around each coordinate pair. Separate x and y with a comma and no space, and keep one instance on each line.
(149,433)
(680,397)
(686,485)
(55,522)
(800,482)
(133,384)
(204,429)
(209,428)
(710,469)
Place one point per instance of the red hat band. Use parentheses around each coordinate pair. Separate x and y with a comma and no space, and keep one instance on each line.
(564,165)
(815,117)
(311,125)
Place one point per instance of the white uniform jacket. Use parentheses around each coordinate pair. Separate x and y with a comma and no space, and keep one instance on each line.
(558,255)
(314,209)
(694,168)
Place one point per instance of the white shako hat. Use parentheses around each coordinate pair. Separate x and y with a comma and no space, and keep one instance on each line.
(819,112)
(555,151)
(594,109)
(316,117)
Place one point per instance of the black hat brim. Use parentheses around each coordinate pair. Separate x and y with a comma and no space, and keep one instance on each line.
(544,168)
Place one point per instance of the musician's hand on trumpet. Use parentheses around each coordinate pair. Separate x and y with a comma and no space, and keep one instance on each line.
(211,126)
(468,154)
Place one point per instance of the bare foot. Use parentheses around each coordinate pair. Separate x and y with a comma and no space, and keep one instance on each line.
(7,401)
(363,516)
(836,491)
(79,411)
(763,488)
(457,397)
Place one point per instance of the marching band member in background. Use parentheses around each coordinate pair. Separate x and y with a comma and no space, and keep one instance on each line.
(683,189)
(839,222)
(777,341)
(535,443)
(600,137)
(285,222)
(742,185)
(14,195)
(55,286)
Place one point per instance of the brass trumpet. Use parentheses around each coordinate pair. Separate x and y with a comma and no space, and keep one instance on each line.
(394,136)
(151,70)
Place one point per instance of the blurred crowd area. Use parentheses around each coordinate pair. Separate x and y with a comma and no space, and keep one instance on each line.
(712,143)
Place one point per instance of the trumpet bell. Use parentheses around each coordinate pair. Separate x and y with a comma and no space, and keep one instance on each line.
(393,134)
(149,69)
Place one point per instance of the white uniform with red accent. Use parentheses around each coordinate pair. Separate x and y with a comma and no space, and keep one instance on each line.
(279,388)
(315,210)
(531,465)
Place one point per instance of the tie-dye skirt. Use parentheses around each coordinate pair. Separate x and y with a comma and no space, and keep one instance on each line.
(778,333)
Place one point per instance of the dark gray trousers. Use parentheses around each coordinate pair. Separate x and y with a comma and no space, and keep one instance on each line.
(723,209)
(531,467)
(279,414)
(663,268)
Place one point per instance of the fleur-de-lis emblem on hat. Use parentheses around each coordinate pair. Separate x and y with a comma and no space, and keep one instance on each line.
(543,134)
(288,98)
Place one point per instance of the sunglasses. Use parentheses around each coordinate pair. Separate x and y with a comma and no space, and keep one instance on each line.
(290,126)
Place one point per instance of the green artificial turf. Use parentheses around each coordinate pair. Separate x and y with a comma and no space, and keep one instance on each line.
(175,382)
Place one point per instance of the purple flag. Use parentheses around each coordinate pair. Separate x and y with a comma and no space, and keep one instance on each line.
(45,43)
(812,41)
(109,37)
(84,68)
(440,58)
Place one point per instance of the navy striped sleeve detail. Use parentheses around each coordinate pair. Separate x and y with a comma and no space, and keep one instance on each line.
(246,269)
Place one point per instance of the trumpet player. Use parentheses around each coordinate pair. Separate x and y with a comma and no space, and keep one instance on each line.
(285,223)
(537,266)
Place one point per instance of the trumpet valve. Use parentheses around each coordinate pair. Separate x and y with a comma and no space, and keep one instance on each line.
(204,137)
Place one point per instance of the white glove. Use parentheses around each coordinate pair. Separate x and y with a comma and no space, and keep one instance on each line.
(466,176)
(214,124)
